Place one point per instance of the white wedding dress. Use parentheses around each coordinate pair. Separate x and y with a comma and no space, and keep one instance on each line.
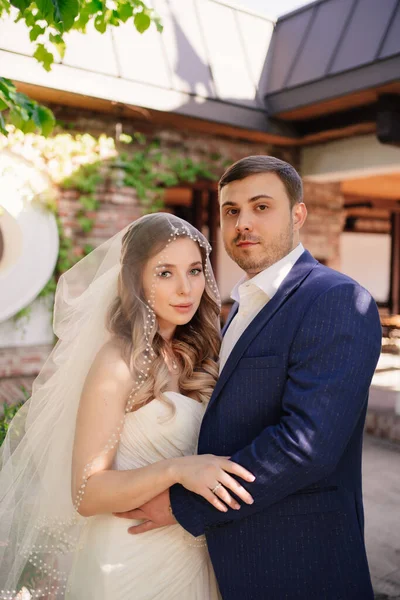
(163,564)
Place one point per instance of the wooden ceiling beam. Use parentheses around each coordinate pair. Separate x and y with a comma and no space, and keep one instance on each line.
(355,202)
(148,118)
(342,103)
(368,213)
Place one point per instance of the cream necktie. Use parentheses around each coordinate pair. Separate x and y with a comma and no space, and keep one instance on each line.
(248,309)
(228,341)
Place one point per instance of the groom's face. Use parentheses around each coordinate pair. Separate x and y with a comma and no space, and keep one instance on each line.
(259,227)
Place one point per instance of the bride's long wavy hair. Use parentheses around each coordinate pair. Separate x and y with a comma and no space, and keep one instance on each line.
(196,344)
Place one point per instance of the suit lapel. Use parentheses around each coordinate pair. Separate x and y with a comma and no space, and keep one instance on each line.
(297,274)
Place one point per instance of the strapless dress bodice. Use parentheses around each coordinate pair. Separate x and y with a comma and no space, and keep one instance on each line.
(163,564)
(159,430)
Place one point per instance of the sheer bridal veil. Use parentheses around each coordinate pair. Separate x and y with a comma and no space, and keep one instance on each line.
(40,527)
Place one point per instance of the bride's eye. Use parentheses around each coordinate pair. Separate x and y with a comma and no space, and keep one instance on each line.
(164,274)
(196,271)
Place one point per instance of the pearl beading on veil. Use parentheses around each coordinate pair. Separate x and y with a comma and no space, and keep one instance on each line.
(149,326)
(59,535)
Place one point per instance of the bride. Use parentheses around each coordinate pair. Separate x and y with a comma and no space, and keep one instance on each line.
(113,421)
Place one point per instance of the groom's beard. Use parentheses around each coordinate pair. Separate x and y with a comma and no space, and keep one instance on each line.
(264,254)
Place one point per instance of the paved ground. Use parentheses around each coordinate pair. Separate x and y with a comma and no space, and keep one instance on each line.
(385,390)
(381,470)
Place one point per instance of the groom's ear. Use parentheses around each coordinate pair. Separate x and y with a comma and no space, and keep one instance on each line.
(299,214)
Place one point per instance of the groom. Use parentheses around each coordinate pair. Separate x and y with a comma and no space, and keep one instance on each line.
(299,351)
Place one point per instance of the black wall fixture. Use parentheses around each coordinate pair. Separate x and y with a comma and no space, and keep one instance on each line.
(388,119)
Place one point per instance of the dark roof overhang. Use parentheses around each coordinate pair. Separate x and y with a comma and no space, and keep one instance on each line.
(335,64)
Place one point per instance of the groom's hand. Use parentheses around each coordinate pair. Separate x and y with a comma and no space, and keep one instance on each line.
(155,513)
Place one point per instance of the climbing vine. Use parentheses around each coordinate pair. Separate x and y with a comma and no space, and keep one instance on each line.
(88,166)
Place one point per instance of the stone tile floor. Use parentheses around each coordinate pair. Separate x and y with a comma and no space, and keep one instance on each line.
(381,473)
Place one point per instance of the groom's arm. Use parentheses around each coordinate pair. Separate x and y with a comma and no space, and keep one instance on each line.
(331,363)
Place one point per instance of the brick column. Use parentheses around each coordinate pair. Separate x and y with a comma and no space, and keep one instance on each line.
(325,221)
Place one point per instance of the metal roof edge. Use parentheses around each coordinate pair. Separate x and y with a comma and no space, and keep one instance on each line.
(247,11)
(340,84)
(301,9)
(128,92)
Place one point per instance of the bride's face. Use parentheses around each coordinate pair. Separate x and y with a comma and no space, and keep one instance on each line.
(174,280)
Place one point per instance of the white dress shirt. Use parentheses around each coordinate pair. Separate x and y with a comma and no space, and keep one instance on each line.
(252,295)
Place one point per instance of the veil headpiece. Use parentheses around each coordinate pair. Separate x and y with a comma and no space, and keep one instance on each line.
(40,528)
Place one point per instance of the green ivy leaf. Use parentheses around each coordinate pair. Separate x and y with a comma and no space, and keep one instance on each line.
(29,126)
(63,253)
(44,57)
(88,10)
(140,138)
(23,313)
(3,129)
(66,243)
(89,203)
(82,20)
(22,103)
(100,23)
(46,7)
(44,119)
(125,12)
(64,264)
(141,190)
(58,42)
(29,17)
(85,223)
(35,32)
(16,119)
(65,12)
(21,121)
(87,249)
(49,288)
(22,5)
(8,414)
(96,6)
(6,88)
(142,21)
(124,138)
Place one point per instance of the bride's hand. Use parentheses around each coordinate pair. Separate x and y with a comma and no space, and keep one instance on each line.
(203,473)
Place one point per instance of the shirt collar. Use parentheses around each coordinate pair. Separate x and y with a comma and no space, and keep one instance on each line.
(269,280)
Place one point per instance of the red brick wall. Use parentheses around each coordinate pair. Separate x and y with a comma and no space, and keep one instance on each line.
(19,367)
(325,221)
(117,209)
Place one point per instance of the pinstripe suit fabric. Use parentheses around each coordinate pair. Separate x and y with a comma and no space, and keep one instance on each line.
(290,406)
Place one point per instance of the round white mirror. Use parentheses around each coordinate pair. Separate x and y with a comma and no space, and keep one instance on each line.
(28,235)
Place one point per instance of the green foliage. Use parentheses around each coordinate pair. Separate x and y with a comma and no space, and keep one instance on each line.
(49,288)
(47,22)
(86,179)
(9,413)
(43,56)
(22,112)
(142,166)
(66,257)
(146,169)
(24,313)
(85,223)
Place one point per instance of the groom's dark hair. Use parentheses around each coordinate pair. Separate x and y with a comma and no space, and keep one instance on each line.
(253,165)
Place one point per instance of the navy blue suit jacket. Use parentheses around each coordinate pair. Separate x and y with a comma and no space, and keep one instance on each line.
(290,406)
